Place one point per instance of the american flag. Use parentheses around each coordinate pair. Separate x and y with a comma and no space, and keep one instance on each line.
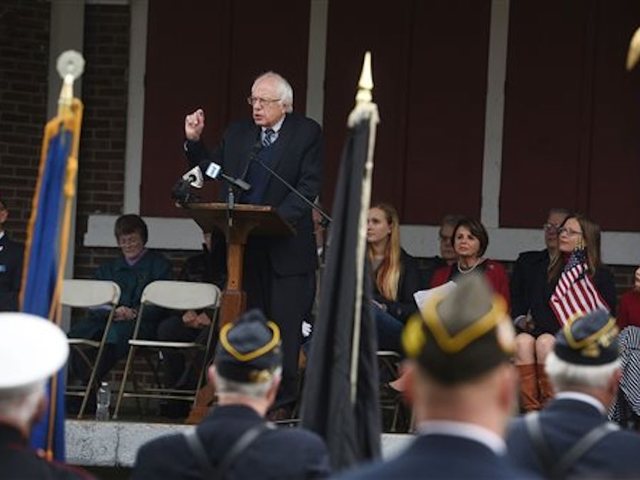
(575,293)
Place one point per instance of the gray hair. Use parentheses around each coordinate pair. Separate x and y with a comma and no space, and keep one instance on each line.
(22,407)
(564,375)
(560,211)
(254,390)
(451,219)
(285,91)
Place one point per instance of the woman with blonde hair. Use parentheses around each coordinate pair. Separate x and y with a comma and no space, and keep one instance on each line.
(395,275)
(576,234)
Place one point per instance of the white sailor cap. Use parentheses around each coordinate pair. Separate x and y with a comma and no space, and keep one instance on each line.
(31,350)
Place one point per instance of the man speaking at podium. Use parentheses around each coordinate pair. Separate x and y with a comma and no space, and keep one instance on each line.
(279,272)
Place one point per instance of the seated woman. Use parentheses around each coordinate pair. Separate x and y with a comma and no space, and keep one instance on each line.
(395,276)
(470,241)
(629,311)
(133,270)
(541,324)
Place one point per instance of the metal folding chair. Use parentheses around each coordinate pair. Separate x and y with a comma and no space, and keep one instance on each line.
(388,362)
(172,295)
(87,294)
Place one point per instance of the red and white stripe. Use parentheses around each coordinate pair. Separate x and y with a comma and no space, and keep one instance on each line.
(575,296)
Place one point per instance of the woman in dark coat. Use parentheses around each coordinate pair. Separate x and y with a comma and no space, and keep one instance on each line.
(538,330)
(133,270)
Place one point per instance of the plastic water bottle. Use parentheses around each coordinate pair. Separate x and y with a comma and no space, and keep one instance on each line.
(103,401)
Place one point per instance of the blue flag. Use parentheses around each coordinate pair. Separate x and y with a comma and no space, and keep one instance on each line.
(41,272)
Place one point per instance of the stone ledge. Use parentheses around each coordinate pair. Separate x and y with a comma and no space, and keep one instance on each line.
(115,444)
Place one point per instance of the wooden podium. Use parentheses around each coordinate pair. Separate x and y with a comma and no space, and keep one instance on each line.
(237,225)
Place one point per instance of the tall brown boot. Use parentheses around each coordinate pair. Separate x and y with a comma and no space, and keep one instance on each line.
(529,394)
(546,389)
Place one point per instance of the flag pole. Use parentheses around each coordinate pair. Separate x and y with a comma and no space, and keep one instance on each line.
(365,109)
(70,66)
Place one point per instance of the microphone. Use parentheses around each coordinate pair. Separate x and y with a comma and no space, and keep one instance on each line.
(195,176)
(181,194)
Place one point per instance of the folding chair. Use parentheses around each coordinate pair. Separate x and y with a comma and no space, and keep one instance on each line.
(87,294)
(388,362)
(175,296)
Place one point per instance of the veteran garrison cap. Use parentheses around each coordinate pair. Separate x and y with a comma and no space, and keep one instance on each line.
(462,334)
(31,350)
(249,349)
(588,340)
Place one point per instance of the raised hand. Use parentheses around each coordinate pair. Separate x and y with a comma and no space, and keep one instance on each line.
(193,125)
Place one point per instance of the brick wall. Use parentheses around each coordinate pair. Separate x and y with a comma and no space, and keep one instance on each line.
(102,145)
(24,49)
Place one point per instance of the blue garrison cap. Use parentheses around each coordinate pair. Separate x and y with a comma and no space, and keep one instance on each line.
(591,339)
(249,349)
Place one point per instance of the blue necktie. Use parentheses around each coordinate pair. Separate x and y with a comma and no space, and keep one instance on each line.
(269,137)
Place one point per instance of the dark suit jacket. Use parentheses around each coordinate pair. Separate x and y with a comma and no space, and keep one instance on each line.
(564,422)
(521,278)
(440,456)
(11,255)
(285,453)
(297,157)
(18,461)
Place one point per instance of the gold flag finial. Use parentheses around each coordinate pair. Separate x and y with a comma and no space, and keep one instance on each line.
(365,85)
(70,66)
(365,108)
(634,50)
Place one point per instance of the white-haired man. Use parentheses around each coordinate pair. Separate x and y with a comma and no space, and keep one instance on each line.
(571,436)
(279,273)
(234,441)
(31,350)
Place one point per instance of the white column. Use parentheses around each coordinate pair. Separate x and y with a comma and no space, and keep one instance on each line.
(316,59)
(494,113)
(135,108)
(66,32)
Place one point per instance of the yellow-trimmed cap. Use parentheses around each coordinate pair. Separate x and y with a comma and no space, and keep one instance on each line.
(461,334)
(249,349)
(590,339)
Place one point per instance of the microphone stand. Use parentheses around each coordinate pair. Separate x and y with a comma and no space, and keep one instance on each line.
(326,219)
(231,194)
(231,203)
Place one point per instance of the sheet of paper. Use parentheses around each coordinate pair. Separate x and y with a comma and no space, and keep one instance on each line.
(422,296)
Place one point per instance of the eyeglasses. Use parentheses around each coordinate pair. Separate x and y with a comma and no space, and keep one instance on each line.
(569,232)
(262,101)
(550,228)
(125,241)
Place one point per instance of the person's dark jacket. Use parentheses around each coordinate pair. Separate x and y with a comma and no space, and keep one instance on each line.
(564,421)
(408,284)
(281,453)
(11,256)
(19,461)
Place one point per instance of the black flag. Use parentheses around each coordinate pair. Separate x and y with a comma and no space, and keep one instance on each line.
(342,407)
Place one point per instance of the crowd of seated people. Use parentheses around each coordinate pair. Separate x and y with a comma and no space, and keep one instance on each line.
(526,295)
(463,242)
